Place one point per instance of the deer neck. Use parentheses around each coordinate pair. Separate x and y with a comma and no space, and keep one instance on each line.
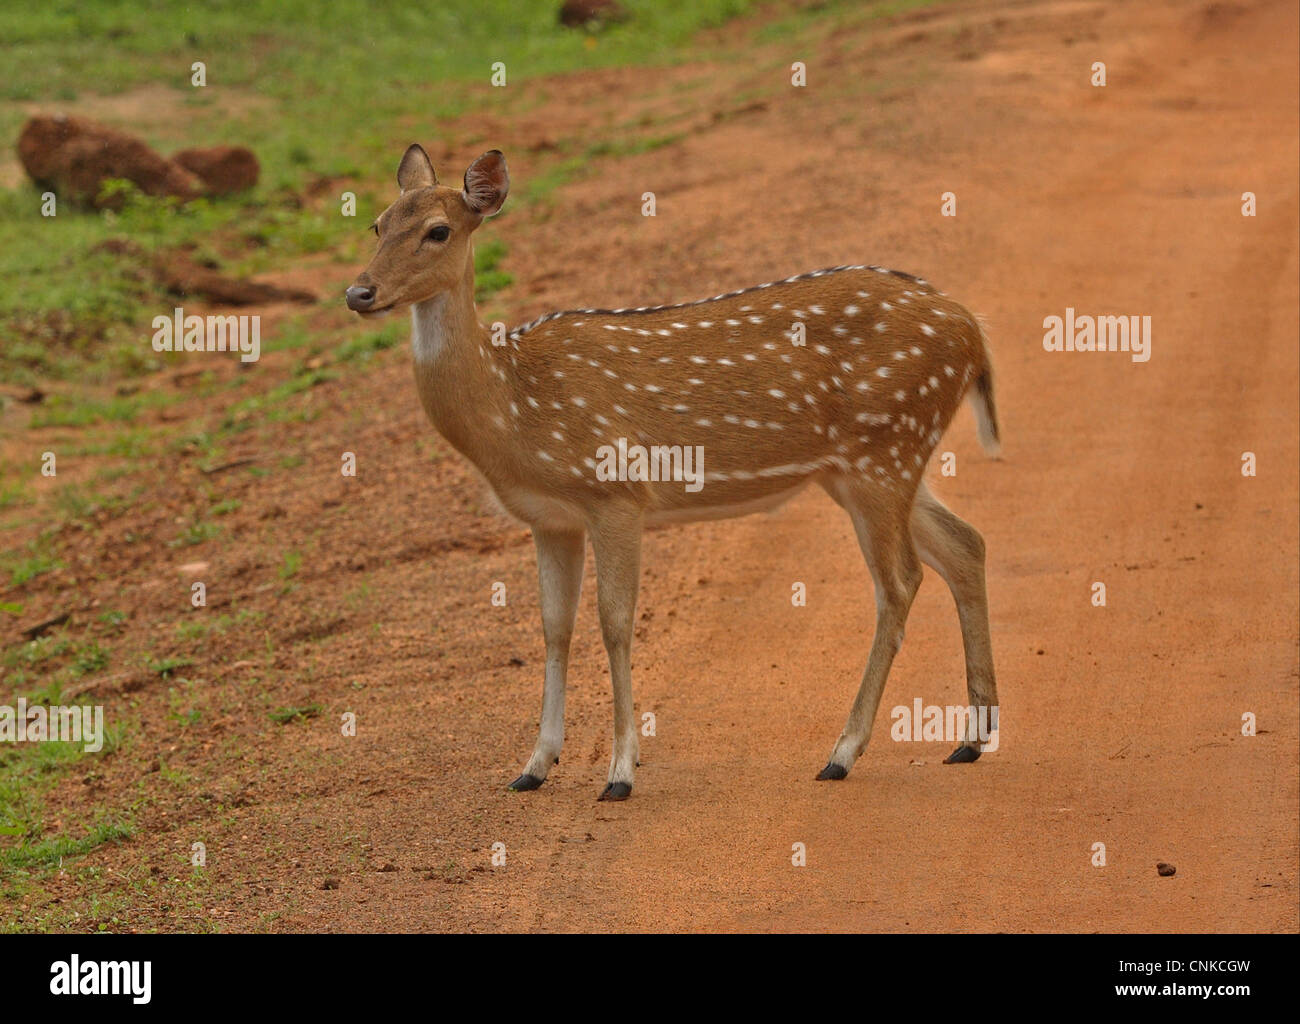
(453,365)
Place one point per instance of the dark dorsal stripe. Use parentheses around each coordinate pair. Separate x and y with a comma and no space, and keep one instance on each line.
(516,332)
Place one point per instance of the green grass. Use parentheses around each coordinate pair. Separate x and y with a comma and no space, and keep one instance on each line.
(631,147)
(36,558)
(87,313)
(539,188)
(13,493)
(126,442)
(360,347)
(285,715)
(33,652)
(489,278)
(81,411)
(91,658)
(27,773)
(312,101)
(292,562)
(195,533)
(197,627)
(285,49)
(166,666)
(48,853)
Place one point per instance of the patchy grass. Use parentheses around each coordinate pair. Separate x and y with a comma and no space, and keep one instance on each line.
(28,772)
(360,347)
(292,563)
(91,658)
(284,49)
(489,278)
(25,564)
(49,853)
(285,82)
(195,533)
(285,715)
(83,410)
(166,666)
(13,492)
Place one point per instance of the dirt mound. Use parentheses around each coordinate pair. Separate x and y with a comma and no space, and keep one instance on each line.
(183,276)
(590,13)
(223,169)
(74,157)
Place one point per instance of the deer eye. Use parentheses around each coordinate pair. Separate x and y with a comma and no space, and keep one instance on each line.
(375,228)
(439,234)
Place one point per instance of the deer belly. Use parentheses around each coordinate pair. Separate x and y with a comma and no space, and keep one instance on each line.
(728,503)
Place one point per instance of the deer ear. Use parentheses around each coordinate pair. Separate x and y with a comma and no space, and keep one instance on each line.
(415,170)
(486,183)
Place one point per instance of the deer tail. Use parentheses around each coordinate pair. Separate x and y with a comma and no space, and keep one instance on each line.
(986,410)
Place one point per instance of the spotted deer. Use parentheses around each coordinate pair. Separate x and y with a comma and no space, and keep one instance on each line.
(845,377)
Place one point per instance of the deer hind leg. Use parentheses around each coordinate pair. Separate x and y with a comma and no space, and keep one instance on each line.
(616,539)
(880,518)
(559,571)
(955,550)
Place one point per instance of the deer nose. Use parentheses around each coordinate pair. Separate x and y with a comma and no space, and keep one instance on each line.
(360,297)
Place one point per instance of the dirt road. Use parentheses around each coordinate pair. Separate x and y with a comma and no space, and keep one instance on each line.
(1121,725)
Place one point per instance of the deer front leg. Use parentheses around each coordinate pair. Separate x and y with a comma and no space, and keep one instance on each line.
(559,571)
(616,539)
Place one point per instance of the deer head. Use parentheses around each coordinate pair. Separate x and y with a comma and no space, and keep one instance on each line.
(424,237)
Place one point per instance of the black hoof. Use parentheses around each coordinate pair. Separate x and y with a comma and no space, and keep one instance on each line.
(832,771)
(616,791)
(963,755)
(524,783)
